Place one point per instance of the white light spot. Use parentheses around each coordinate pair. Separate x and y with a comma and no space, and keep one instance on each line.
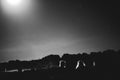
(84,64)
(14,2)
(93,63)
(78,64)
(17,9)
(60,63)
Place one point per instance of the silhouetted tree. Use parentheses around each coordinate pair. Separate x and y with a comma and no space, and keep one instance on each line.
(71,61)
(3,67)
(112,60)
(11,65)
(80,63)
(18,65)
(106,61)
(50,61)
(87,61)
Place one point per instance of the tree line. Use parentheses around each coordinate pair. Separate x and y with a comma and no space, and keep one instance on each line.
(108,60)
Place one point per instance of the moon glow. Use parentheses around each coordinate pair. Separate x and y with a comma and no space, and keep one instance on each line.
(17,8)
(14,2)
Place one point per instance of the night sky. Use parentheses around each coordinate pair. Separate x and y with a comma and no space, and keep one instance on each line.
(60,26)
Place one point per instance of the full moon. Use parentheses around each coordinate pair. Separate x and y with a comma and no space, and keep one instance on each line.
(17,9)
(14,2)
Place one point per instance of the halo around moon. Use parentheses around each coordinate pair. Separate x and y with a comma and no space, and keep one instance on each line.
(17,8)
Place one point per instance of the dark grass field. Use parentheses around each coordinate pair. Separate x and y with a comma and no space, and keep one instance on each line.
(60,75)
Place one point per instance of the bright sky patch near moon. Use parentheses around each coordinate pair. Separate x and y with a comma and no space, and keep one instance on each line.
(14,2)
(17,9)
